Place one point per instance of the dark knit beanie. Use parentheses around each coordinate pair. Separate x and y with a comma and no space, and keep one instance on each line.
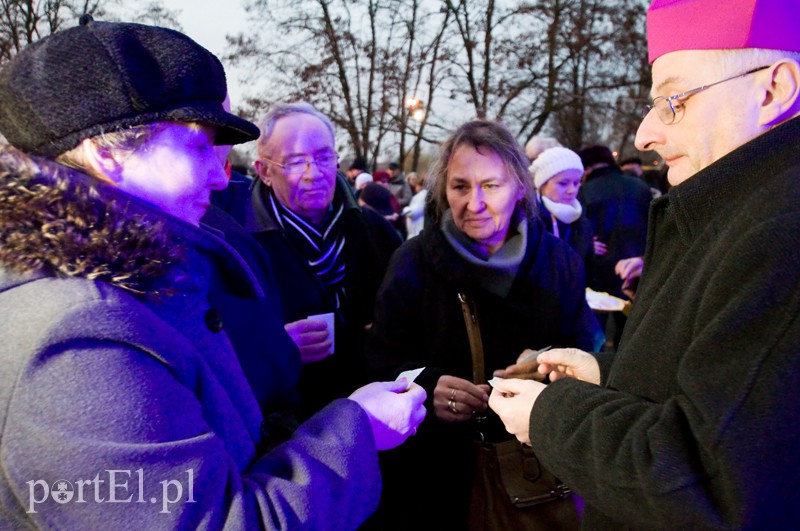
(596,154)
(101,77)
(359,163)
(378,197)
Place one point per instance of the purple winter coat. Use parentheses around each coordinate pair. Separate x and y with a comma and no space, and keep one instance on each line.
(123,404)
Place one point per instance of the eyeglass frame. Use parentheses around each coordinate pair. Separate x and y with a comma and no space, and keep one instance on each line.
(690,92)
(308,159)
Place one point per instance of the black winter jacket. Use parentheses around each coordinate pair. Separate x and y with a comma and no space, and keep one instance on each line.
(616,206)
(419,323)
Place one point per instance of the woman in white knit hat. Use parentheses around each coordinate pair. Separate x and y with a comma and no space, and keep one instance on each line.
(557,174)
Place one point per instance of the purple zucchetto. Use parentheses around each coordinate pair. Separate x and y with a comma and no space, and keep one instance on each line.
(674,25)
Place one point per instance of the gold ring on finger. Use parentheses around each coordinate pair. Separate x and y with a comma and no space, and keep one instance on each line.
(451,405)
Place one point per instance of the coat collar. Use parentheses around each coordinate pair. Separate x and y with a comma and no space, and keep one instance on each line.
(605,171)
(256,217)
(57,221)
(62,222)
(730,180)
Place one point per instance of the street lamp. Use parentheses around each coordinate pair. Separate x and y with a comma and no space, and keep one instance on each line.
(416,109)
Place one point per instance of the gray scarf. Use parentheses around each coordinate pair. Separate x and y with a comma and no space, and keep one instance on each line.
(495,273)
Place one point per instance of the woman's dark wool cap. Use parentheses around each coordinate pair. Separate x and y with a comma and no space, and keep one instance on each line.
(101,77)
(378,197)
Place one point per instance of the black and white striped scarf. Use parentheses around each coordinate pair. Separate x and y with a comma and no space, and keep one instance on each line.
(323,247)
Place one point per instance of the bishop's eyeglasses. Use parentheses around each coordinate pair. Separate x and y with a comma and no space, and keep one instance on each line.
(670,108)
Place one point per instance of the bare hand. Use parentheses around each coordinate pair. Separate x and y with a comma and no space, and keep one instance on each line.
(394,413)
(629,268)
(600,248)
(569,363)
(513,401)
(456,399)
(311,337)
(525,367)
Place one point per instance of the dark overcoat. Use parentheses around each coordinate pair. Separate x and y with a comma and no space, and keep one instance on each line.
(696,423)
(369,242)
(419,323)
(616,206)
(117,379)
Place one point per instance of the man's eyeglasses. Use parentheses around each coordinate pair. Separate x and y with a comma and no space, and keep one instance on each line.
(299,164)
(668,111)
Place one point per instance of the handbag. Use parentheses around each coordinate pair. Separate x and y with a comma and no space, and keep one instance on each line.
(511,489)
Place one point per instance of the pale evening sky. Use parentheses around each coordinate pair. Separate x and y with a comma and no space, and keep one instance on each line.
(207,22)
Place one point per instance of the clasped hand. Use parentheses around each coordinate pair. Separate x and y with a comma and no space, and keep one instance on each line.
(312,339)
(513,399)
(457,400)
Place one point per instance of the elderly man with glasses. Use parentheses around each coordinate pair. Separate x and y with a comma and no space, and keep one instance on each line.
(693,424)
(328,255)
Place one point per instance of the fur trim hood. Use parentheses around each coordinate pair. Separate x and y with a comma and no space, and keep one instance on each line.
(61,222)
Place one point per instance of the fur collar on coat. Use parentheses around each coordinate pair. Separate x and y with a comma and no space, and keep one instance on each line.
(61,222)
